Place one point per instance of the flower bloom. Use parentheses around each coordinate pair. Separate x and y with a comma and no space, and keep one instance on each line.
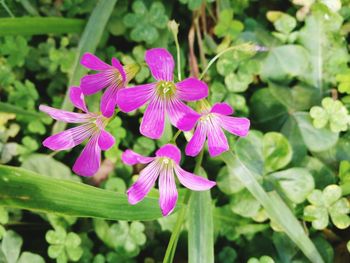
(164,164)
(164,96)
(112,77)
(92,128)
(209,125)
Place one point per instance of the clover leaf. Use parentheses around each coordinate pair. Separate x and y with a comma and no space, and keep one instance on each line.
(63,246)
(284,24)
(123,237)
(192,4)
(145,23)
(333,113)
(262,259)
(328,202)
(10,250)
(227,26)
(15,48)
(344,81)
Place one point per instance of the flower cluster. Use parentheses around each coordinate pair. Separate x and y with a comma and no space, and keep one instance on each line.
(165,98)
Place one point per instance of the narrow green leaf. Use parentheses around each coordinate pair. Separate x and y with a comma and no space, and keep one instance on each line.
(40,25)
(274,206)
(9,108)
(89,40)
(201,230)
(24,189)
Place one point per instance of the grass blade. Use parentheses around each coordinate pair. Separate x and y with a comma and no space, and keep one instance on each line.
(40,25)
(9,108)
(88,43)
(24,189)
(201,232)
(274,206)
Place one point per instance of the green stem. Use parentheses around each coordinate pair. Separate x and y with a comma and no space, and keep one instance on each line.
(178,57)
(2,2)
(170,251)
(173,140)
(243,47)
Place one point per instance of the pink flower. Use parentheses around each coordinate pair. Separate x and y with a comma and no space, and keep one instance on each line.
(92,128)
(209,125)
(164,164)
(113,78)
(164,96)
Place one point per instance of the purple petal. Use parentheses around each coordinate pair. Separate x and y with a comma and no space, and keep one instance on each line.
(66,116)
(192,181)
(167,191)
(89,160)
(170,151)
(217,141)
(177,110)
(109,101)
(91,84)
(237,126)
(90,61)
(116,63)
(161,63)
(77,98)
(144,183)
(69,138)
(130,99)
(152,124)
(222,108)
(192,89)
(131,158)
(105,140)
(197,141)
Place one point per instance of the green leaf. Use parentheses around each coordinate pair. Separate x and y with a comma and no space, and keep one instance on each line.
(313,137)
(26,190)
(274,206)
(296,183)
(9,108)
(276,150)
(40,25)
(284,62)
(88,43)
(201,230)
(27,257)
(11,246)
(46,165)
(244,204)
(228,182)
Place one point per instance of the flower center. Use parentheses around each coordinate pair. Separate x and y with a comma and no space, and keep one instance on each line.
(206,117)
(166,89)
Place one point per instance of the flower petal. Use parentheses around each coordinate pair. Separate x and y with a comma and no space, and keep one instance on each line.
(131,158)
(116,63)
(177,110)
(171,151)
(105,140)
(130,99)
(237,126)
(167,191)
(90,61)
(109,101)
(222,108)
(69,138)
(192,181)
(144,183)
(217,141)
(192,89)
(161,63)
(152,124)
(66,116)
(197,141)
(89,160)
(91,84)
(77,98)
